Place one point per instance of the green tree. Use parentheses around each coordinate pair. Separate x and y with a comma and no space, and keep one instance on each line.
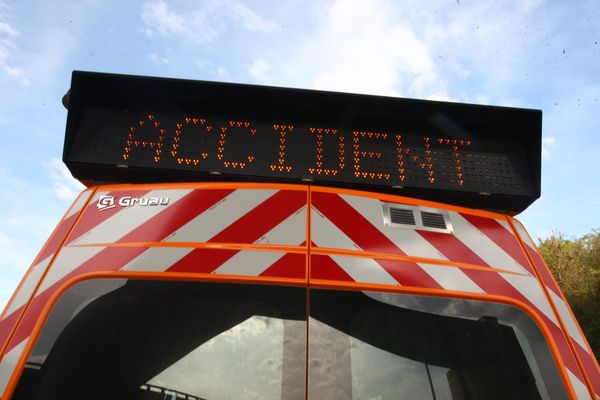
(575,263)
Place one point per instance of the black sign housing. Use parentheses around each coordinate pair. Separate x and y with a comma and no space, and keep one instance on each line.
(133,129)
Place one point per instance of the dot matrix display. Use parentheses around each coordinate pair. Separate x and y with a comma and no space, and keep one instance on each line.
(148,129)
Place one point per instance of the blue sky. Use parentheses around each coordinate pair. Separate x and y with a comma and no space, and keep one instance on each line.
(522,53)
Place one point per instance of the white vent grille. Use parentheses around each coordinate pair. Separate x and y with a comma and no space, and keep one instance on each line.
(433,220)
(416,218)
(402,216)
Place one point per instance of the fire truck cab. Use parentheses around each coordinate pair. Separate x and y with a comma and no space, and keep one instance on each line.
(251,242)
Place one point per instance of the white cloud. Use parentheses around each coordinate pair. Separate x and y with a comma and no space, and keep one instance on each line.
(5,241)
(251,20)
(65,186)
(361,47)
(203,24)
(259,69)
(444,51)
(222,72)
(7,46)
(158,60)
(547,144)
(159,18)
(8,30)
(209,68)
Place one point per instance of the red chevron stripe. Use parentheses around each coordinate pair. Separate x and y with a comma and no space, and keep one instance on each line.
(174,217)
(365,235)
(590,366)
(499,235)
(353,224)
(323,267)
(57,238)
(247,229)
(540,266)
(7,324)
(91,217)
(263,218)
(290,265)
(452,248)
(408,274)
(202,260)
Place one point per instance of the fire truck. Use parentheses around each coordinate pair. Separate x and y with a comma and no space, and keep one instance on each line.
(252,242)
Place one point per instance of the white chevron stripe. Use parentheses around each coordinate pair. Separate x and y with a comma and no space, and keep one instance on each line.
(249,263)
(530,288)
(127,219)
(451,278)
(483,246)
(291,231)
(67,260)
(568,320)
(365,270)
(326,234)
(79,203)
(157,259)
(408,240)
(8,364)
(214,220)
(31,281)
(523,234)
(580,388)
(505,225)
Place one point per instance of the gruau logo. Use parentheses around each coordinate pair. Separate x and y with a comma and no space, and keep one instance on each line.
(108,202)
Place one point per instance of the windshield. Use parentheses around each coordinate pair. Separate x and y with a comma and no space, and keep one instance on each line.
(130,339)
(163,340)
(384,346)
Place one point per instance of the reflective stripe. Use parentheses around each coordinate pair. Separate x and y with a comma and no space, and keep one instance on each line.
(8,364)
(451,278)
(567,318)
(365,270)
(580,388)
(157,259)
(530,289)
(291,231)
(249,263)
(505,225)
(28,287)
(326,234)
(483,246)
(127,219)
(523,234)
(221,215)
(68,259)
(79,203)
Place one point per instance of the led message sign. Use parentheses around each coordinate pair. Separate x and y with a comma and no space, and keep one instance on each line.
(135,129)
